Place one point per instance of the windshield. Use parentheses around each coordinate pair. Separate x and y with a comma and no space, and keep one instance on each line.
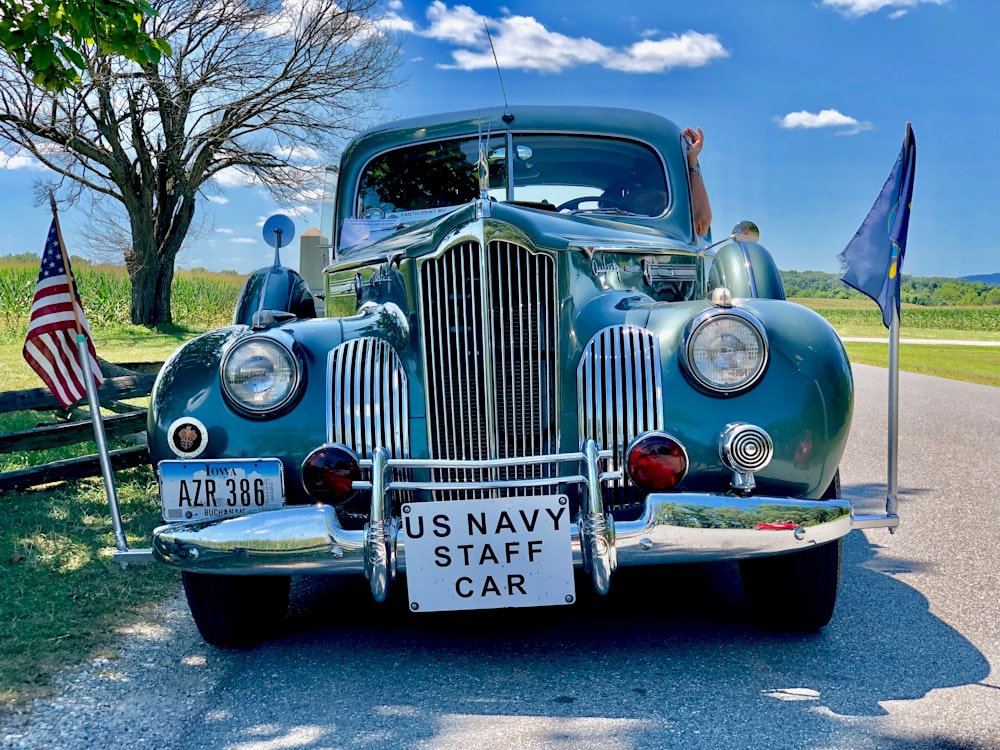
(568,173)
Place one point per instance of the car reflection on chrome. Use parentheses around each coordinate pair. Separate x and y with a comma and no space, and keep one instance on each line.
(525,363)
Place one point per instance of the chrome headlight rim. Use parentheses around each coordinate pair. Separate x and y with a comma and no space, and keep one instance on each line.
(289,391)
(697,328)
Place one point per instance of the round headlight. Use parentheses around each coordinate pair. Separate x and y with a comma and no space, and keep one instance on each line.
(259,375)
(726,351)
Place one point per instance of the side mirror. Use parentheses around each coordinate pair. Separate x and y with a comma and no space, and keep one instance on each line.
(744,231)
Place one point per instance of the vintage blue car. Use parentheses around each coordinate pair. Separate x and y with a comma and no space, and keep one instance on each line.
(525,362)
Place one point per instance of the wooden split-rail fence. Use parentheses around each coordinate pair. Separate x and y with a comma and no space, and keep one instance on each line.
(126,420)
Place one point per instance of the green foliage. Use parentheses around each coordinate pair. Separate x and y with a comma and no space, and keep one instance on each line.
(931,291)
(46,37)
(201,299)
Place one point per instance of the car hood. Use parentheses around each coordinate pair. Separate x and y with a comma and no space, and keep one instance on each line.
(586,232)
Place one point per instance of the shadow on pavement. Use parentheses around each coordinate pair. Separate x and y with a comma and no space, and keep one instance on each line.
(668,654)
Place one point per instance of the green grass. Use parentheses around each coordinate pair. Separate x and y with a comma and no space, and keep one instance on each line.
(62,598)
(973,364)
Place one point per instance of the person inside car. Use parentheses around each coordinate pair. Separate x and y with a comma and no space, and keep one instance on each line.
(701,209)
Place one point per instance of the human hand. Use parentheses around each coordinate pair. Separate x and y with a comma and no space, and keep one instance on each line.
(696,140)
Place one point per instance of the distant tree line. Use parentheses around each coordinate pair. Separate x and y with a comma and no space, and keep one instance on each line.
(932,291)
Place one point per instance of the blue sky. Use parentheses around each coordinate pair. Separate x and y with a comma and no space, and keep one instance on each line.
(803,102)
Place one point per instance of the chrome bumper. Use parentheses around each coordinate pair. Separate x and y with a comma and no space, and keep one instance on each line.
(674,528)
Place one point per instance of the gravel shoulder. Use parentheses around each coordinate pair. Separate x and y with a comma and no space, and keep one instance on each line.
(107,702)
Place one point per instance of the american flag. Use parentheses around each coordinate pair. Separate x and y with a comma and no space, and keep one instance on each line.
(50,346)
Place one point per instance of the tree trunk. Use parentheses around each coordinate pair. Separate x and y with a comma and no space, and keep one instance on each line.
(151,295)
(145,271)
(150,260)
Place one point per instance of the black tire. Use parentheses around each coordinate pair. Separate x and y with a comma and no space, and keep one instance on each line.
(797,590)
(236,611)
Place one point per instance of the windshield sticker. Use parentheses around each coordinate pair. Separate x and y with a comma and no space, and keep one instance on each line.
(358,232)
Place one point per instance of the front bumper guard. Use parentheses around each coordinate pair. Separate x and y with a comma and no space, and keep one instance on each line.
(674,528)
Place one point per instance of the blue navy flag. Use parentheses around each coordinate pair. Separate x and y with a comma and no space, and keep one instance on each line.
(872,262)
(57,318)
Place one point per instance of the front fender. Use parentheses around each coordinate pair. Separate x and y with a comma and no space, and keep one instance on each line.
(804,400)
(747,270)
(189,387)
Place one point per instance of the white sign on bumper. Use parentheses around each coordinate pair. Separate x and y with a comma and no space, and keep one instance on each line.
(488,554)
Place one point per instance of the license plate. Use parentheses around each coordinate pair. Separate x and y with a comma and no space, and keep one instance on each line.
(488,554)
(196,490)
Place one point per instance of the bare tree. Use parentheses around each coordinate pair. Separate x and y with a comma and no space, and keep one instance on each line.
(246,88)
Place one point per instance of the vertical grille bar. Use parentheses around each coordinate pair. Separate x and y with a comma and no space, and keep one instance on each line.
(490,339)
(619,388)
(369,398)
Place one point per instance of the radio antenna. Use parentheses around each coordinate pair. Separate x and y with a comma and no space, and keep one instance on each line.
(508,116)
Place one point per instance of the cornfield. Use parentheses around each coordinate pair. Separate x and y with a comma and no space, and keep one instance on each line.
(200,299)
(985,318)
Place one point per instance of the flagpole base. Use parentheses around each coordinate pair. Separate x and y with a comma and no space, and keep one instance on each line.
(125,557)
(875,521)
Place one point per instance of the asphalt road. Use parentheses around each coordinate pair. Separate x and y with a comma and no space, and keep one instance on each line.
(667,660)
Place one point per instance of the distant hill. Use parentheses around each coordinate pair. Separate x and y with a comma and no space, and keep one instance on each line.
(993,279)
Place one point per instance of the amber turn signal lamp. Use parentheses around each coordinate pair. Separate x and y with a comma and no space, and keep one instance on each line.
(328,472)
(656,462)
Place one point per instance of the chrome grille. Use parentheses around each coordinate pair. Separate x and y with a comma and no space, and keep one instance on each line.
(489,336)
(368,391)
(619,393)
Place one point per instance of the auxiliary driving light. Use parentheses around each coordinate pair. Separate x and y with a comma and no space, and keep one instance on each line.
(745,447)
(656,462)
(327,474)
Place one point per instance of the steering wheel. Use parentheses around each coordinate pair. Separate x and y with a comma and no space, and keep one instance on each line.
(573,204)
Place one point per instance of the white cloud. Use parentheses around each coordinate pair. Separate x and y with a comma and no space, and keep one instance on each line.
(289,17)
(521,42)
(460,25)
(220,199)
(827,118)
(858,8)
(689,50)
(304,153)
(392,21)
(297,211)
(243,241)
(233,177)
(224,231)
(17,161)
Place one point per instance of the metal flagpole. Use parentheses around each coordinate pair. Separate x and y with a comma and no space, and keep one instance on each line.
(95,405)
(892,476)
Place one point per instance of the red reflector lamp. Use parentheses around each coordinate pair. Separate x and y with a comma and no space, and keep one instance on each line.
(656,462)
(328,472)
